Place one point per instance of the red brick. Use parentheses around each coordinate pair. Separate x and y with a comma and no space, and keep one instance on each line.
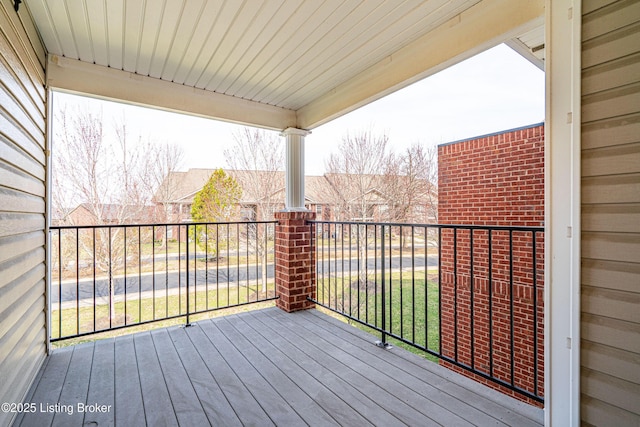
(495,180)
(295,265)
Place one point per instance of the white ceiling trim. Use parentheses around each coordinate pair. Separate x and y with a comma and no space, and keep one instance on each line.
(290,70)
(480,27)
(524,50)
(104,82)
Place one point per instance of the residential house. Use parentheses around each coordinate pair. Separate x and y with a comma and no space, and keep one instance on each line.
(330,196)
(109,214)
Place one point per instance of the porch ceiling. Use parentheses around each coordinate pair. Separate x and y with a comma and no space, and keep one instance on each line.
(267,63)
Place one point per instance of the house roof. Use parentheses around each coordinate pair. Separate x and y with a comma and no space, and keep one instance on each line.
(111,212)
(181,187)
(318,189)
(274,64)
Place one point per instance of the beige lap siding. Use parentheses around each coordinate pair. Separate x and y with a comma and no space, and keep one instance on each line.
(610,273)
(22,205)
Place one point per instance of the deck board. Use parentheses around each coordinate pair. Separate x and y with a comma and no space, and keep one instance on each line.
(214,402)
(396,400)
(129,406)
(361,405)
(435,398)
(47,389)
(277,409)
(461,389)
(260,368)
(185,401)
(237,394)
(102,383)
(159,409)
(407,404)
(76,386)
(332,393)
(308,409)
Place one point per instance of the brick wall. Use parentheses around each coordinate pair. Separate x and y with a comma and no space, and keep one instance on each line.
(295,260)
(495,180)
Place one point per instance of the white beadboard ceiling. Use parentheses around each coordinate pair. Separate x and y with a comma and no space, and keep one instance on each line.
(285,54)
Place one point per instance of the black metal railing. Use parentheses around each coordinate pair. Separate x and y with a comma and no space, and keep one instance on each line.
(470,296)
(107,277)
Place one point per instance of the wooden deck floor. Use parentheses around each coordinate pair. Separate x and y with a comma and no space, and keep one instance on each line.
(259,368)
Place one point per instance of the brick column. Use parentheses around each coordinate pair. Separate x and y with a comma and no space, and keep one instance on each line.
(295,267)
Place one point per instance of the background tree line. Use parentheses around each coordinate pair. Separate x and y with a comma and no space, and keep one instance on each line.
(99,165)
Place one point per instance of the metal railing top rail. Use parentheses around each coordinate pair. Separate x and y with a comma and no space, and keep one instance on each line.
(157,224)
(435,225)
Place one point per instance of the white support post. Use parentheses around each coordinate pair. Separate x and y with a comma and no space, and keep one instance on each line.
(294,184)
(562,213)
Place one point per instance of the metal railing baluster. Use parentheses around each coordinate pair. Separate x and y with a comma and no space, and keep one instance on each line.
(91,302)
(458,318)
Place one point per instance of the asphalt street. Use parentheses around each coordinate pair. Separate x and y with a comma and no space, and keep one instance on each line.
(223,276)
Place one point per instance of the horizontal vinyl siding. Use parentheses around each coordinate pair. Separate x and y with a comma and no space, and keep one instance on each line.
(610,275)
(22,205)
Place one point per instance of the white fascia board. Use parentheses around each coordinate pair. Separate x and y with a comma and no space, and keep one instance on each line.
(281,190)
(188,198)
(525,52)
(103,82)
(482,26)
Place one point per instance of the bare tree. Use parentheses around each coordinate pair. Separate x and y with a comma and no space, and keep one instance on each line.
(96,168)
(80,160)
(85,164)
(257,156)
(411,185)
(108,175)
(256,160)
(162,161)
(356,183)
(354,175)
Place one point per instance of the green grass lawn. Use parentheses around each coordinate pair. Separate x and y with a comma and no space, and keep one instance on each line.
(136,311)
(411,305)
(169,246)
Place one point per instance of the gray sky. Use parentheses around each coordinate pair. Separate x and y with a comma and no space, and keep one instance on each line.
(491,92)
